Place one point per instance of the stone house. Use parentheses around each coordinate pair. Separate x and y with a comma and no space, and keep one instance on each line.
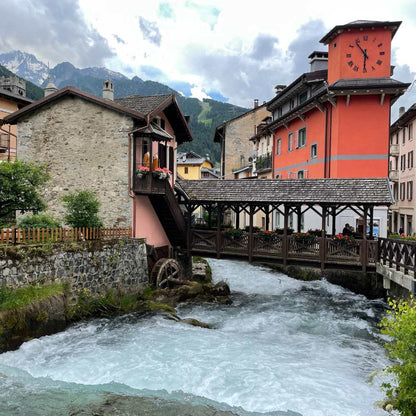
(92,143)
(234,137)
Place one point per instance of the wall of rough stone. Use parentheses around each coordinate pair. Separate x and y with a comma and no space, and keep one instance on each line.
(94,265)
(85,147)
(237,135)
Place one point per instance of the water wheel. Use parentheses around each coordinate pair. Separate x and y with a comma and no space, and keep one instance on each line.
(165,272)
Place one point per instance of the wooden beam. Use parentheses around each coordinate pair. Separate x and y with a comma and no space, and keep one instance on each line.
(218,239)
(334,218)
(322,246)
(250,235)
(348,99)
(382,98)
(284,242)
(319,106)
(302,117)
(364,242)
(333,101)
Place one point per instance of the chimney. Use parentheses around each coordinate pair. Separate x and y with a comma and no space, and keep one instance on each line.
(108,90)
(279,88)
(50,89)
(318,61)
(401,111)
(256,102)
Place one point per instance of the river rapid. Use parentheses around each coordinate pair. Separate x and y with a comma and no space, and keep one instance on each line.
(284,347)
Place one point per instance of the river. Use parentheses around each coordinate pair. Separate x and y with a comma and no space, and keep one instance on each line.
(284,347)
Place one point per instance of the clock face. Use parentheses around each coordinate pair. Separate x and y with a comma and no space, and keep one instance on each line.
(365,54)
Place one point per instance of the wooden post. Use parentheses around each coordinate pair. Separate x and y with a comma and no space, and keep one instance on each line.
(237,218)
(334,217)
(250,235)
(371,222)
(209,216)
(364,246)
(284,242)
(188,230)
(218,240)
(267,218)
(299,216)
(322,246)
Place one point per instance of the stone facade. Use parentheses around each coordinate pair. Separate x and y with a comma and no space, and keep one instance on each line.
(96,265)
(238,148)
(85,147)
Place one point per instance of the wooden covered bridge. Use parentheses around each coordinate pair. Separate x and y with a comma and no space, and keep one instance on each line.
(327,198)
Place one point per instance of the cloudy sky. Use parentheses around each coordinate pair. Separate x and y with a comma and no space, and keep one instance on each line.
(230,50)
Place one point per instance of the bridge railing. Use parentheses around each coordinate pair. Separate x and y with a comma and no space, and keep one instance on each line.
(398,254)
(263,245)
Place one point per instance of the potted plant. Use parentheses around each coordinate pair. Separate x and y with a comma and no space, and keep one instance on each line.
(344,240)
(142,171)
(304,238)
(162,173)
(233,233)
(266,235)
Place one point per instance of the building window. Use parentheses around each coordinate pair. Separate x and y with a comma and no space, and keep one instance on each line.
(278,176)
(292,103)
(303,97)
(302,137)
(268,141)
(404,136)
(410,131)
(279,112)
(290,175)
(314,150)
(301,174)
(186,169)
(278,147)
(395,191)
(402,191)
(402,162)
(410,160)
(409,190)
(290,142)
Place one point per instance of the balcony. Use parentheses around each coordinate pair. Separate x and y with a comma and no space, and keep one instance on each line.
(148,185)
(264,163)
(394,175)
(394,150)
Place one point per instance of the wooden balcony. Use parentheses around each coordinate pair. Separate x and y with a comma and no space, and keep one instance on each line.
(148,185)
(394,175)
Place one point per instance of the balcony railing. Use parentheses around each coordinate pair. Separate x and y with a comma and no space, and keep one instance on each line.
(148,185)
(264,162)
(394,175)
(394,150)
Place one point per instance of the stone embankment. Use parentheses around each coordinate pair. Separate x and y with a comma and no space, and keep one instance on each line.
(114,287)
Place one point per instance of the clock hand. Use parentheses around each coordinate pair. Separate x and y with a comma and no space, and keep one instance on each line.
(364,51)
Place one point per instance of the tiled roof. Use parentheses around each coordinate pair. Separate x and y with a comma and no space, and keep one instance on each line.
(373,191)
(15,97)
(367,83)
(144,104)
(410,114)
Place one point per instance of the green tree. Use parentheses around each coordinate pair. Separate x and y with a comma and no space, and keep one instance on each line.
(82,209)
(20,183)
(400,326)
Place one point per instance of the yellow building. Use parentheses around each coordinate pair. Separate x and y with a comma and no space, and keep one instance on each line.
(192,166)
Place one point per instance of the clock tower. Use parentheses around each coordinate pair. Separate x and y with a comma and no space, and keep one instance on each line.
(360,49)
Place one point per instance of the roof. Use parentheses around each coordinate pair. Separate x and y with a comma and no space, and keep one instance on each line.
(190,158)
(155,132)
(367,83)
(145,104)
(372,191)
(72,91)
(360,24)
(142,108)
(409,115)
(15,97)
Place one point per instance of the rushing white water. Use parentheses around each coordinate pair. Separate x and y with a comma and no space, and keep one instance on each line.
(283,345)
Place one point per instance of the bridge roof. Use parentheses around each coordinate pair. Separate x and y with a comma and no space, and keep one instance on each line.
(354,191)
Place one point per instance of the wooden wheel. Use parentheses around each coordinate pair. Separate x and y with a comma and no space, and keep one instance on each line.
(164,272)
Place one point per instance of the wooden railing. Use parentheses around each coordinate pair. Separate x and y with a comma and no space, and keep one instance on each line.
(52,235)
(360,254)
(399,254)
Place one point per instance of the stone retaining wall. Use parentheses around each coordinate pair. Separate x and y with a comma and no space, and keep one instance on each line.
(94,265)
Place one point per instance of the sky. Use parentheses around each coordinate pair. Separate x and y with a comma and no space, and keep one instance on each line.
(229,50)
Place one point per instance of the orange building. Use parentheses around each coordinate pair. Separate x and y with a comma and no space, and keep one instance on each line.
(333,122)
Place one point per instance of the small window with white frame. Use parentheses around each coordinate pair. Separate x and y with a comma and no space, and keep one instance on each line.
(302,137)
(410,131)
(314,150)
(278,147)
(290,142)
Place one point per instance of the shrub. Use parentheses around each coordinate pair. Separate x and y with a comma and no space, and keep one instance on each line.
(38,221)
(82,209)
(400,326)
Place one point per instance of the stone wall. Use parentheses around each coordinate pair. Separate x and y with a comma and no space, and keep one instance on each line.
(85,147)
(95,265)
